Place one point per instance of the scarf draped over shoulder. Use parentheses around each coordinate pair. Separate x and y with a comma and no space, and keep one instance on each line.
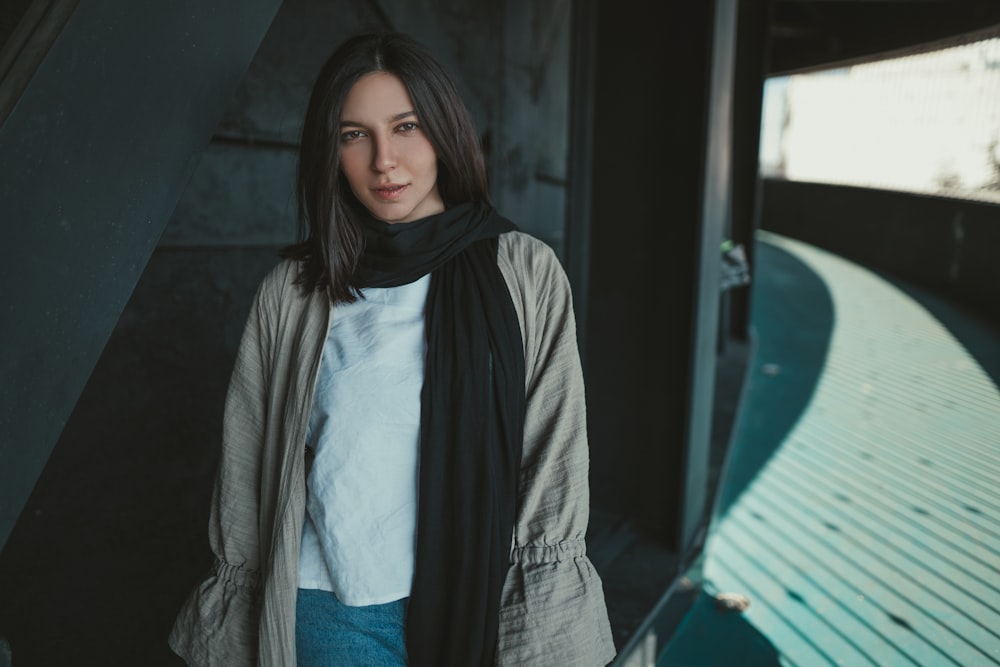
(471,425)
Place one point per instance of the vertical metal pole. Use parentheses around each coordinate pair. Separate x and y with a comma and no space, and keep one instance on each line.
(716,192)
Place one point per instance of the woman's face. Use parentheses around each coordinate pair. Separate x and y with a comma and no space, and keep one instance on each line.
(384,154)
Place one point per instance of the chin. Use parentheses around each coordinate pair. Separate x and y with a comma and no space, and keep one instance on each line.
(391,217)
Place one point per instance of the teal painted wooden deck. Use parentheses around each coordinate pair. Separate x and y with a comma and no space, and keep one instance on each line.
(860,508)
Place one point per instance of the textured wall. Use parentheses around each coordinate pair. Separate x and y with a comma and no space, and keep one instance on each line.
(510,61)
(944,244)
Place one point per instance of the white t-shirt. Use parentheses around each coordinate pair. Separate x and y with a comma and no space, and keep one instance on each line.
(361,511)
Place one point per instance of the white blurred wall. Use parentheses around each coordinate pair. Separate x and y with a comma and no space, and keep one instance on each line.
(926,123)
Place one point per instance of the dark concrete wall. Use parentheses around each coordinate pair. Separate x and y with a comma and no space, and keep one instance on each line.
(114,533)
(662,196)
(87,188)
(510,60)
(948,245)
(651,120)
(93,159)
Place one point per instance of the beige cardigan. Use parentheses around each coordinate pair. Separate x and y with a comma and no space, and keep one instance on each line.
(552,606)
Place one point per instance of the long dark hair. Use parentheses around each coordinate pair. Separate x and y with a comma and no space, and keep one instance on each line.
(330,241)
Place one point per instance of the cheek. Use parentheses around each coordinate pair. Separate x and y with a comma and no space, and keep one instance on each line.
(429,162)
(351,167)
(431,169)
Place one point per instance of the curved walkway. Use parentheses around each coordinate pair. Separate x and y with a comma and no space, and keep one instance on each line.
(860,508)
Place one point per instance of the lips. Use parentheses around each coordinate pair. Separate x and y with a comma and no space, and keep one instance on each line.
(389,192)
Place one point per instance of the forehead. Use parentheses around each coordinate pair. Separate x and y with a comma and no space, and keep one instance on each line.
(376,97)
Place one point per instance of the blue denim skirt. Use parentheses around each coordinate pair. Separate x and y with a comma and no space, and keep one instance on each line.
(328,632)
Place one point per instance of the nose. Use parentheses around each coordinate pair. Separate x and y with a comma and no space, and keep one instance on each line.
(384,156)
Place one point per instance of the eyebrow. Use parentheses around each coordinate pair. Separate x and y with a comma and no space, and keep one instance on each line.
(399,116)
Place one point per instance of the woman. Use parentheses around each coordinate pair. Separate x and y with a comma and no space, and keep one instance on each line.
(404,459)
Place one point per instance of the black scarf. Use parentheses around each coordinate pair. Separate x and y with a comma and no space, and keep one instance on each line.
(471,426)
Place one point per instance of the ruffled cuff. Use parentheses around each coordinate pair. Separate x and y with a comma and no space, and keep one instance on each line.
(552,611)
(218,623)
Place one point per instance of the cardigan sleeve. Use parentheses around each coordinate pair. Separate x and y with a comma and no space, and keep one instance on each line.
(218,623)
(552,607)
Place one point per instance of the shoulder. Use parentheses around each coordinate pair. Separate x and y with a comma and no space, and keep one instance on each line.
(521,248)
(538,287)
(531,263)
(280,277)
(531,268)
(278,287)
(283,311)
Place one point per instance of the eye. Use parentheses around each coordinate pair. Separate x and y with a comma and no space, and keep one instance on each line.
(351,135)
(408,126)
